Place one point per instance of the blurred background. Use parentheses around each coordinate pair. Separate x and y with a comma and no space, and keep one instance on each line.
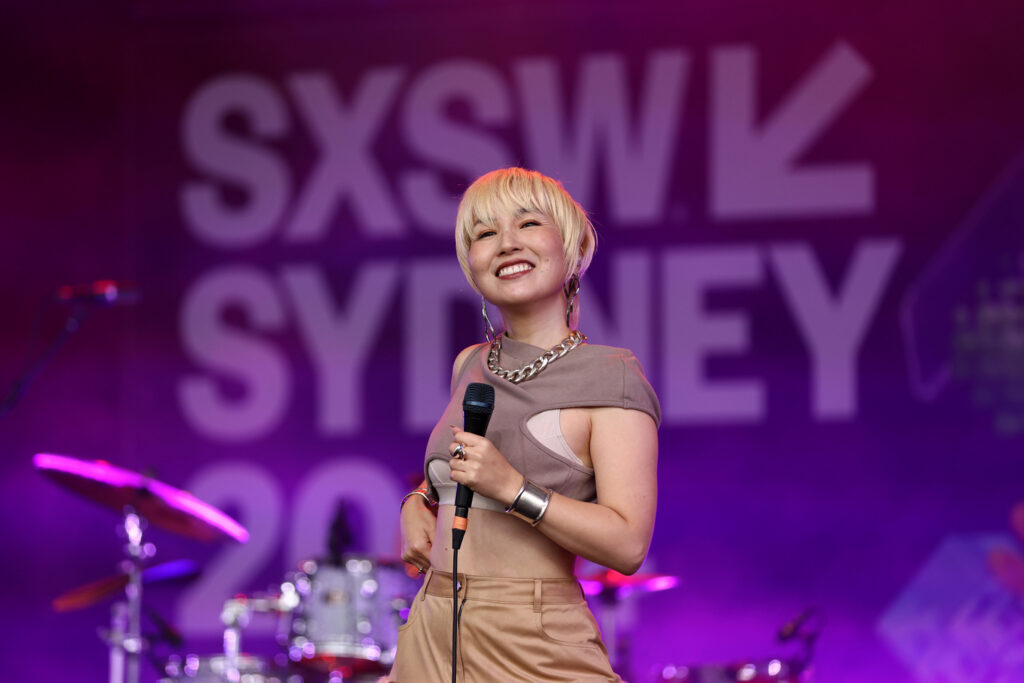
(811,221)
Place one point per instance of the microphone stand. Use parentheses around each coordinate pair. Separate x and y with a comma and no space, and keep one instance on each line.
(71,325)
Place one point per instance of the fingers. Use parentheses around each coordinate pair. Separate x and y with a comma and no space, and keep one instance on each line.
(467,438)
(469,442)
(417,536)
(461,452)
(418,556)
(412,570)
(457,450)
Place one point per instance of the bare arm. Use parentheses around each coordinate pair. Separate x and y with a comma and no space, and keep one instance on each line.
(418,523)
(419,520)
(616,530)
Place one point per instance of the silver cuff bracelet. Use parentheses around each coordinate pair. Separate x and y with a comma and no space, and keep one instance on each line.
(530,503)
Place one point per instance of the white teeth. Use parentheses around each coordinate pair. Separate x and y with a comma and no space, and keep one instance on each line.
(513,269)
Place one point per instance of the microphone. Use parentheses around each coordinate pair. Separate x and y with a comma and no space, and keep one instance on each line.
(477,406)
(102,293)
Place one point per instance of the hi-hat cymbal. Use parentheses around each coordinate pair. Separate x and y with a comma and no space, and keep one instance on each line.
(160,504)
(93,592)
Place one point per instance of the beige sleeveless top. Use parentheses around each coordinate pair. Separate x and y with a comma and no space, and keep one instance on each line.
(588,376)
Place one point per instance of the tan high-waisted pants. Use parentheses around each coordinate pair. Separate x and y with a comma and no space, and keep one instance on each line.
(510,630)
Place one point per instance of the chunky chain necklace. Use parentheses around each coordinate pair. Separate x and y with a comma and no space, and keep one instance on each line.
(532,369)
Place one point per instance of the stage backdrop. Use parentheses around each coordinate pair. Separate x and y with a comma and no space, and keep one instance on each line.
(810,235)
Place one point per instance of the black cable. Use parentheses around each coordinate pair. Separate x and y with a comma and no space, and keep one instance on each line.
(459,619)
(455,613)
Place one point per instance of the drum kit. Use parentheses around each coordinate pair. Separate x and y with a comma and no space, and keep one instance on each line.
(337,619)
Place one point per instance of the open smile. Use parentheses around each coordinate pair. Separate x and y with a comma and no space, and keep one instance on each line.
(514,269)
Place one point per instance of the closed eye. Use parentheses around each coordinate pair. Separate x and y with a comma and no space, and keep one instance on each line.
(484,233)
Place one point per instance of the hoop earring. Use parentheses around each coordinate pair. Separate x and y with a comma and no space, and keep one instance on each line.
(572,295)
(489,333)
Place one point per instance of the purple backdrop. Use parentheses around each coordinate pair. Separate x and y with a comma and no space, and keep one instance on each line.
(809,230)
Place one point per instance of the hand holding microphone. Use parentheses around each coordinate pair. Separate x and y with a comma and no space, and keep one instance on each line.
(481,468)
(477,406)
(476,464)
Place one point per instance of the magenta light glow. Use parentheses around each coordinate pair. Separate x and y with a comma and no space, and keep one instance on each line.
(161,504)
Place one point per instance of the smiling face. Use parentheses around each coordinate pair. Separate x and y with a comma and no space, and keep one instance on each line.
(518,259)
(513,196)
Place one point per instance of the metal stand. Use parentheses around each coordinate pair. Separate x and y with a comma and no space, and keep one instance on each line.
(235,616)
(618,643)
(114,638)
(125,635)
(21,385)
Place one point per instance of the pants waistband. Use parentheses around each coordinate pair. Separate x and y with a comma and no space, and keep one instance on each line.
(516,591)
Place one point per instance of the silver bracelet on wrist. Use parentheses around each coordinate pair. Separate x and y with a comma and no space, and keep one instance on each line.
(419,492)
(530,503)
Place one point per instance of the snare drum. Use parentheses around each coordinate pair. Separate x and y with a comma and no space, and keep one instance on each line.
(349,613)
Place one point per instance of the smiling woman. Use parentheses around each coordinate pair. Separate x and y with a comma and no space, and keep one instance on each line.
(567,469)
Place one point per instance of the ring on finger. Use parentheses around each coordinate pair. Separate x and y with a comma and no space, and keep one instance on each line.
(459,452)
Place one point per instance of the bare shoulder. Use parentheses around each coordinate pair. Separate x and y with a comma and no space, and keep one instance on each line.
(623,445)
(461,358)
(613,418)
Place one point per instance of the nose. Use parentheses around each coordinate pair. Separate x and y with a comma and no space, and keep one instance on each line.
(509,243)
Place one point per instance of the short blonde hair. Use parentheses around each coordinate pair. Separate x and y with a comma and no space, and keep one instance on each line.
(510,190)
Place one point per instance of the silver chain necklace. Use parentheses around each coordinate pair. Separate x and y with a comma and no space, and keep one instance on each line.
(532,369)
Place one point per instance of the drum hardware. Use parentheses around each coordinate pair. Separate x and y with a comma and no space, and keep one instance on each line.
(754,671)
(81,299)
(72,323)
(216,669)
(95,592)
(610,588)
(338,624)
(236,615)
(804,629)
(141,500)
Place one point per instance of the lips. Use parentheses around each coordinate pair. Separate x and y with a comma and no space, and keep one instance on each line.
(514,268)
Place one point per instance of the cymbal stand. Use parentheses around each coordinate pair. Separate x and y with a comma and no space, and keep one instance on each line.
(235,616)
(617,641)
(114,637)
(125,635)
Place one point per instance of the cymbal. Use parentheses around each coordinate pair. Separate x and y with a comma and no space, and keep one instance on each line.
(160,504)
(93,592)
(610,581)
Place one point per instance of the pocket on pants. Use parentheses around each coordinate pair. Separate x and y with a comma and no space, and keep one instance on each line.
(568,625)
(414,610)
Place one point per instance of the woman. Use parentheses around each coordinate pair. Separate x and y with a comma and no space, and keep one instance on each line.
(567,468)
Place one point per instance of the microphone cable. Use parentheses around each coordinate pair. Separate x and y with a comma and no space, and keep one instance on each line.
(477,406)
(455,613)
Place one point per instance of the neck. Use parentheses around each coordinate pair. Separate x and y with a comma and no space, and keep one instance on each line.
(543,328)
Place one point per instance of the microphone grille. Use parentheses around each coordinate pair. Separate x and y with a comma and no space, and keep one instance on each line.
(479,397)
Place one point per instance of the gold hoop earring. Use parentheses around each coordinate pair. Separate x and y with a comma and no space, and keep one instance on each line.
(572,295)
